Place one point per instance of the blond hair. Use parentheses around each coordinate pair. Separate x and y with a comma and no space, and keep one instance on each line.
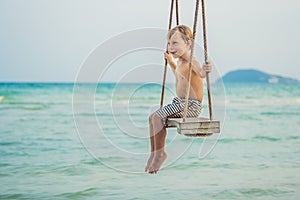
(185,31)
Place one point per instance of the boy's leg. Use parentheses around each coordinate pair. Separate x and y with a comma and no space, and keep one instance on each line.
(158,135)
(159,143)
(152,144)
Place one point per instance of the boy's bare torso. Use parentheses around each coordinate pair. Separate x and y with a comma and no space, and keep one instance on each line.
(181,74)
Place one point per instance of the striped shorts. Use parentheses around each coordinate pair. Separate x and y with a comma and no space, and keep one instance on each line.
(176,109)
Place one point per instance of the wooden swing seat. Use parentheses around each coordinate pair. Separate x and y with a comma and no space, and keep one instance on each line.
(194,127)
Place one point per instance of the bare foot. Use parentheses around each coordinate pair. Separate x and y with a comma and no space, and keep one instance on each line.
(157,162)
(149,162)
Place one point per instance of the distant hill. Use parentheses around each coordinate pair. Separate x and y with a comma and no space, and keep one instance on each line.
(255,76)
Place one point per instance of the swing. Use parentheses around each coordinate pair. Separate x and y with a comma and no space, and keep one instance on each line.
(200,126)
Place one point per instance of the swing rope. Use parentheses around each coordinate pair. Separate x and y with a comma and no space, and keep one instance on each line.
(190,63)
(206,60)
(177,13)
(166,62)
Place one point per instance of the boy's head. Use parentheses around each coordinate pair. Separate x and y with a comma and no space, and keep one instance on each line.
(179,41)
(185,31)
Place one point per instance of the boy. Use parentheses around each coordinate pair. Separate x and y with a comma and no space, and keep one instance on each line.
(179,47)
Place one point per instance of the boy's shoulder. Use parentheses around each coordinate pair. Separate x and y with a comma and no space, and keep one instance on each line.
(195,62)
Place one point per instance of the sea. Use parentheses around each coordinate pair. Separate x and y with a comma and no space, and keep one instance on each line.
(91,141)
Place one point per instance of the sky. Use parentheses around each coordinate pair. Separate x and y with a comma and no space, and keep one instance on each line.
(50,40)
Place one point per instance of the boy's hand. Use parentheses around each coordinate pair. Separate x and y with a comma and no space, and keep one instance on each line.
(168,57)
(207,67)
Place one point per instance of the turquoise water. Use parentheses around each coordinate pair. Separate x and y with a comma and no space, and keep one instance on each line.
(91,142)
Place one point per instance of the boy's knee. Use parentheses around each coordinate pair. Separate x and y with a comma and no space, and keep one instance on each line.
(154,118)
(151,117)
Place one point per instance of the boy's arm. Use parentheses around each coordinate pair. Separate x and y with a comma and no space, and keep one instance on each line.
(201,70)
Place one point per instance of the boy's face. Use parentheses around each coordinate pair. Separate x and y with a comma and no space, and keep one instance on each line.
(177,46)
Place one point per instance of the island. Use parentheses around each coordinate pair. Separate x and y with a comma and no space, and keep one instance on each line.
(255,76)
